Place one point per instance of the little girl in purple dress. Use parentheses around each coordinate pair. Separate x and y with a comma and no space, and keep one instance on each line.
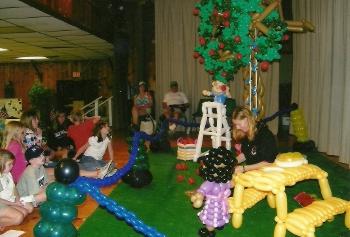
(217,168)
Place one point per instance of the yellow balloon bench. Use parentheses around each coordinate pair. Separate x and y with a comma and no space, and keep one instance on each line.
(302,221)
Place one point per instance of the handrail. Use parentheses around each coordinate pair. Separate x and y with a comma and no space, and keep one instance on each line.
(89,104)
(96,105)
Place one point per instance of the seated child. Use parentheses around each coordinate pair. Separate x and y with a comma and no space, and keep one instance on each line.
(96,148)
(12,211)
(13,142)
(81,130)
(68,151)
(34,180)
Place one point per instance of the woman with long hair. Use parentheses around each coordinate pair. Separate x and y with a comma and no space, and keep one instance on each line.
(255,144)
(13,142)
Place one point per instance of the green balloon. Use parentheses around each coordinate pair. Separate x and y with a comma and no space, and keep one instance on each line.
(140,149)
(51,229)
(74,196)
(141,157)
(65,194)
(56,191)
(58,212)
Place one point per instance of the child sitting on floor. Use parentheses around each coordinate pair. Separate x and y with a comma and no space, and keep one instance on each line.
(34,180)
(12,211)
(68,151)
(81,130)
(96,148)
(13,142)
(33,134)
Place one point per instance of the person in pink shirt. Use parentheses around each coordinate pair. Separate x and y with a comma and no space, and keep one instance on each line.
(13,137)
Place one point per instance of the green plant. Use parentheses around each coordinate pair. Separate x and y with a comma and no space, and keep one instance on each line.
(41,99)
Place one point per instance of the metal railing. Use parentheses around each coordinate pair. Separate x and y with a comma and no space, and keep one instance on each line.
(93,108)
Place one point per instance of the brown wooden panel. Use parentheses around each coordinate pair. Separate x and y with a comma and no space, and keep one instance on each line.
(23,76)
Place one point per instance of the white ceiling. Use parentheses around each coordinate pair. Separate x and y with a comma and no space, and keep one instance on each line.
(26,31)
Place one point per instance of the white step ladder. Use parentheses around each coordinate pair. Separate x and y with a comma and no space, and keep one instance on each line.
(218,129)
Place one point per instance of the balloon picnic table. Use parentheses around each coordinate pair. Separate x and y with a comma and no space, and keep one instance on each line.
(271,181)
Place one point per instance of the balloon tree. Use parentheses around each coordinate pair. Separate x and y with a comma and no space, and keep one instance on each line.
(238,34)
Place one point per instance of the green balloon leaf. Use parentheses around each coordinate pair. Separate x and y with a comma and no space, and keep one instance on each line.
(240,22)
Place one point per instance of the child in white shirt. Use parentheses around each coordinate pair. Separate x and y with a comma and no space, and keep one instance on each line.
(96,148)
(12,210)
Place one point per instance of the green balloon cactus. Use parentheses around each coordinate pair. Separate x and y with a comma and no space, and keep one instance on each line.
(58,212)
(139,175)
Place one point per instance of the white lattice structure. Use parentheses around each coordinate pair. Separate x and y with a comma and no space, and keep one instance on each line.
(214,114)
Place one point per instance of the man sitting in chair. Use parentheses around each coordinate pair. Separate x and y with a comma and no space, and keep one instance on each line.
(175,103)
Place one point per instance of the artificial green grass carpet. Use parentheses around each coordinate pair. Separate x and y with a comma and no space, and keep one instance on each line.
(164,205)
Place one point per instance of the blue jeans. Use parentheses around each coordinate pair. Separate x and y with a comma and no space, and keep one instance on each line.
(90,164)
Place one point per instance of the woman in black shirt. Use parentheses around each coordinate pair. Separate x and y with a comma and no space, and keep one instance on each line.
(255,144)
(58,135)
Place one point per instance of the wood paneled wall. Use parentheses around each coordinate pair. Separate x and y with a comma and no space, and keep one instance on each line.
(23,76)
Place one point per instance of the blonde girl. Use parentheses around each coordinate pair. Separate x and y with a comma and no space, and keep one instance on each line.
(13,137)
(256,145)
(12,211)
(33,134)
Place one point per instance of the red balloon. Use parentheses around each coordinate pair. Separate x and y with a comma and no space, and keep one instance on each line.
(221,45)
(196,54)
(180,178)
(226,14)
(237,39)
(191,180)
(239,56)
(264,66)
(212,52)
(195,11)
(201,41)
(201,60)
(226,23)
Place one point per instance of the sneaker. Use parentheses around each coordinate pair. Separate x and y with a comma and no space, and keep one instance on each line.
(172,127)
(105,169)
(111,173)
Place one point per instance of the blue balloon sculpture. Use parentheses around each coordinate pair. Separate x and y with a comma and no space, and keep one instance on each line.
(59,211)
(91,186)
